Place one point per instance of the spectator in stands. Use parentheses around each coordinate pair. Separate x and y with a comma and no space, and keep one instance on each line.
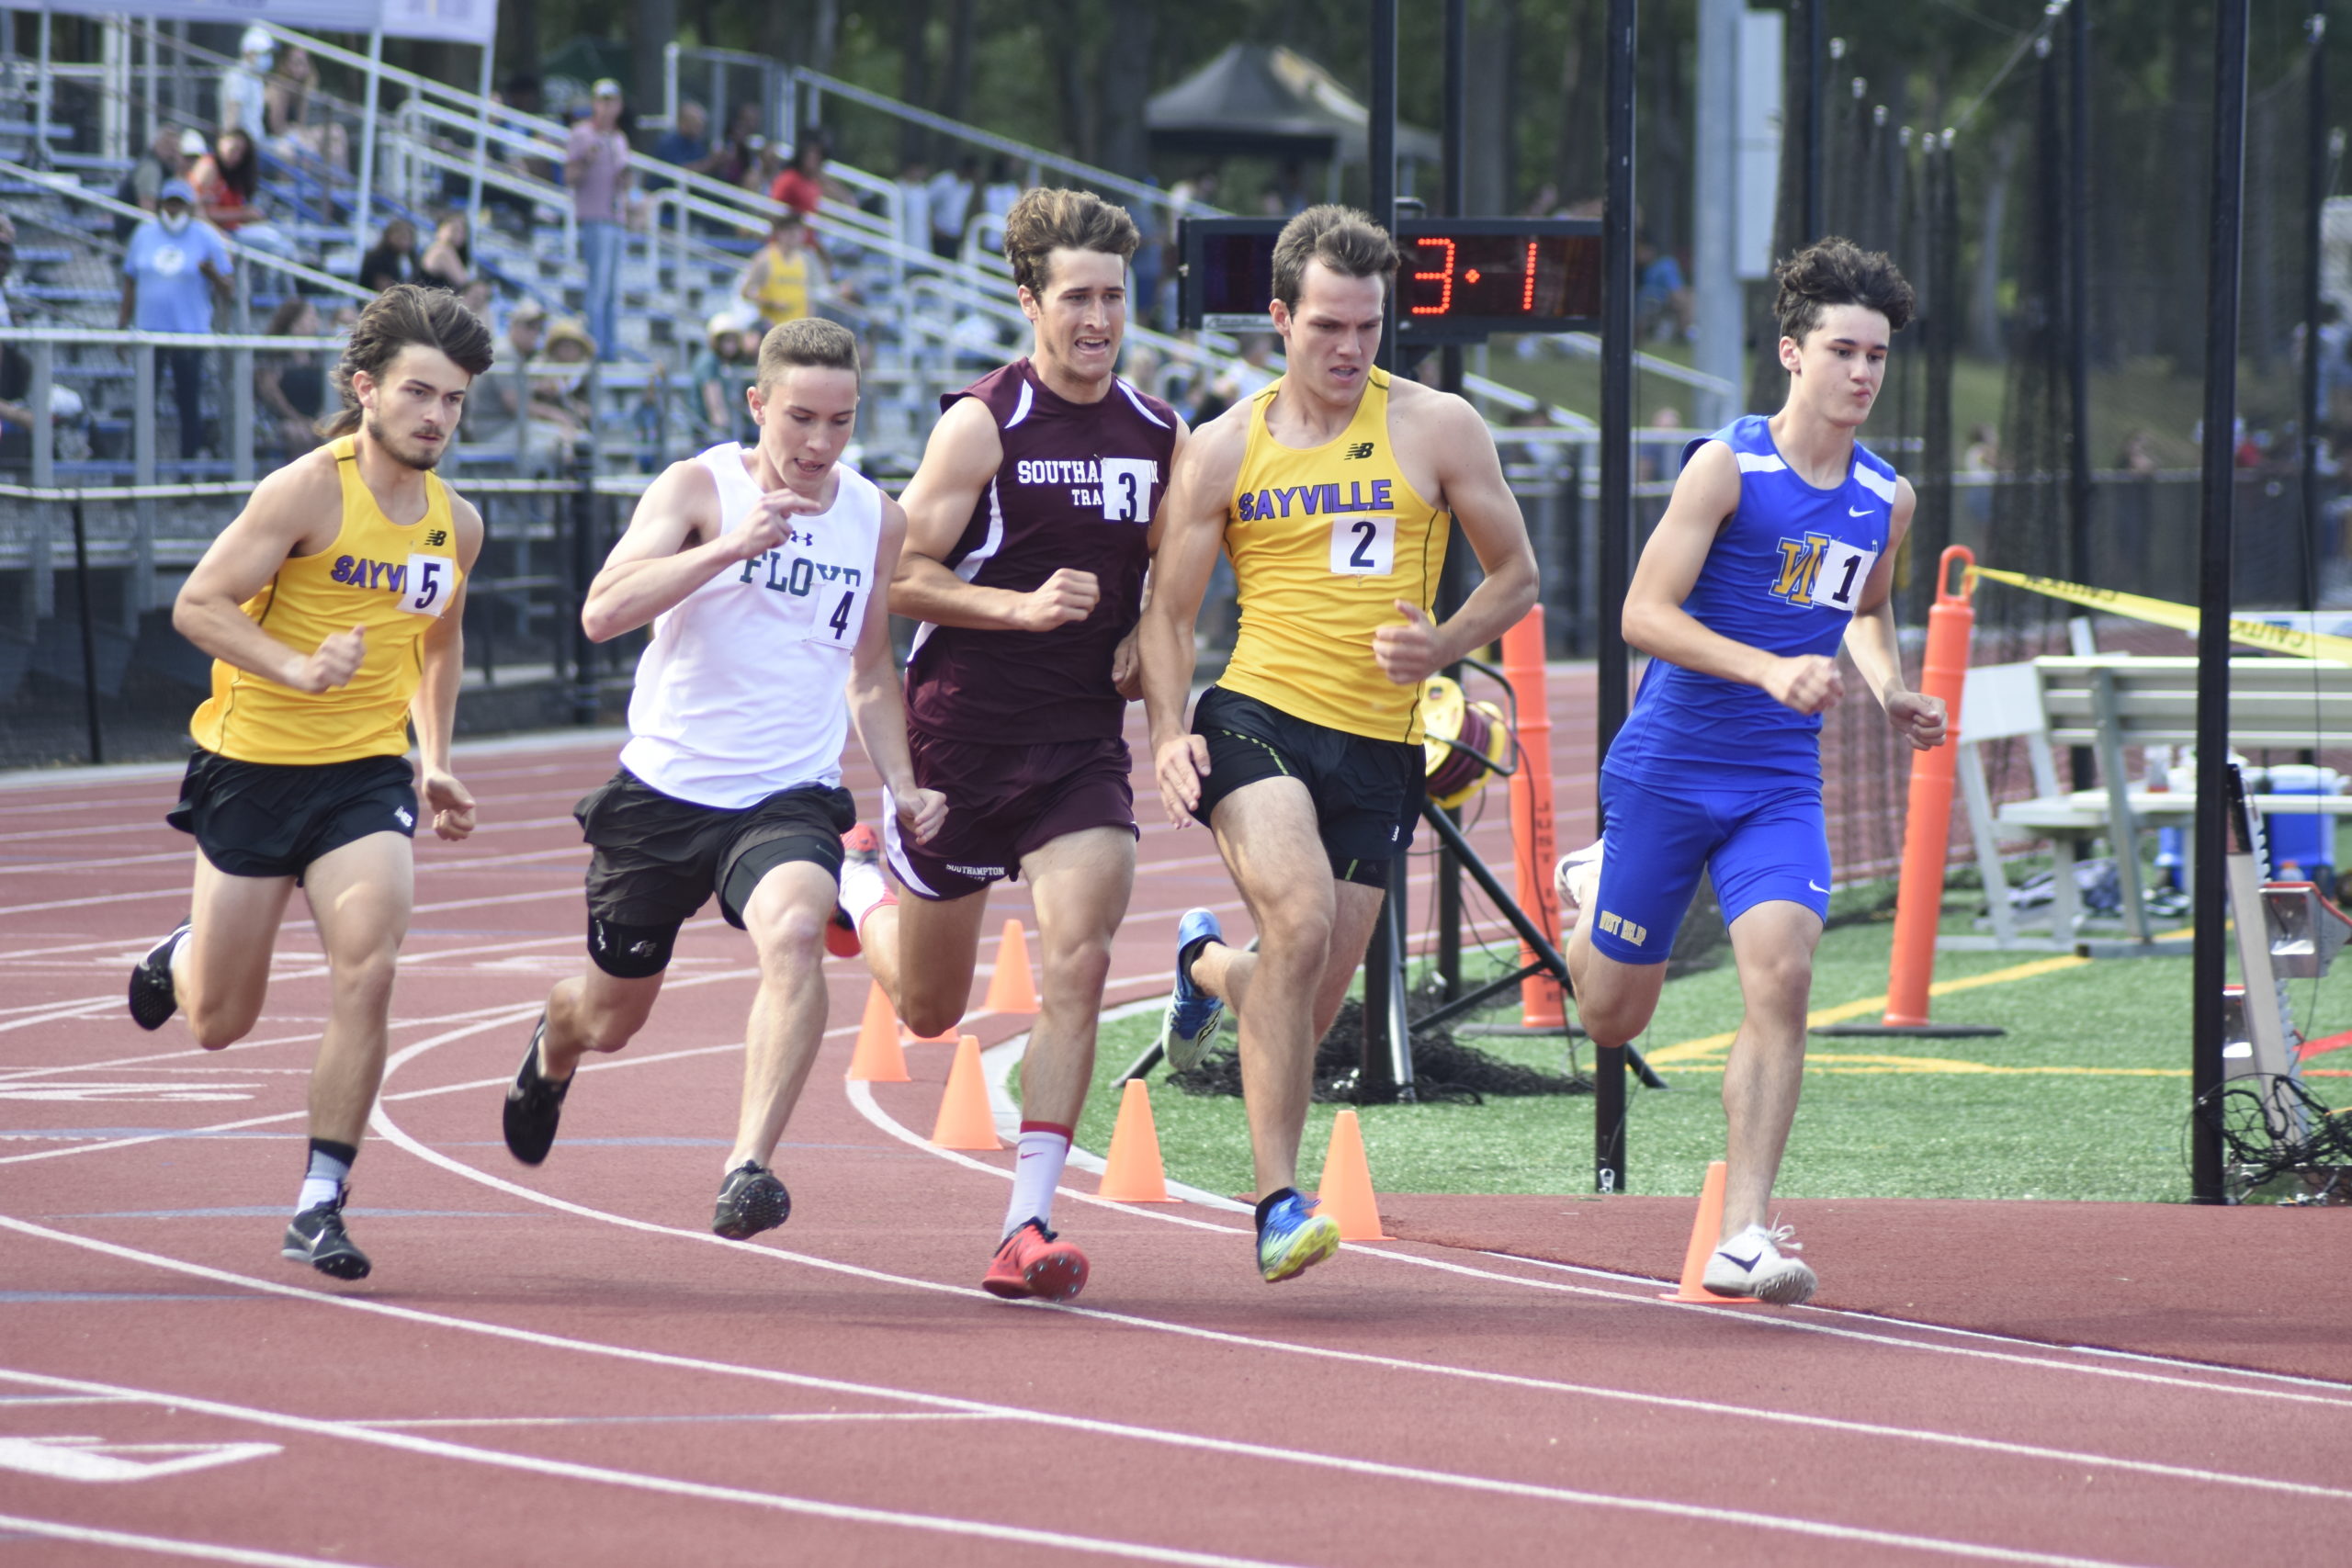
(1658,451)
(292,387)
(785,276)
(286,110)
(1662,303)
(566,394)
(244,96)
(164,160)
(172,271)
(951,193)
(738,153)
(393,259)
(914,204)
(16,370)
(449,261)
(721,372)
(802,186)
(687,143)
(227,180)
(1003,187)
(595,167)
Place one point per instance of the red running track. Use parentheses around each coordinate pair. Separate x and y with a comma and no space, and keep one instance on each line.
(562,1366)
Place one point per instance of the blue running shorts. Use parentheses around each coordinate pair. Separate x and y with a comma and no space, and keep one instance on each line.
(1759,845)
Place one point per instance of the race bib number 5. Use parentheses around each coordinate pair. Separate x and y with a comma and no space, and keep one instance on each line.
(429,581)
(1363,547)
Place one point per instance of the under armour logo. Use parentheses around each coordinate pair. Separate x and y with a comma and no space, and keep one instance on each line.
(1361,449)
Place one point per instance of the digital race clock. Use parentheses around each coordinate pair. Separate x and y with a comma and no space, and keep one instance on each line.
(1461,279)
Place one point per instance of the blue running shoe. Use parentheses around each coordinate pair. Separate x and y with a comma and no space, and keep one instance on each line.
(1292,1237)
(1191,1023)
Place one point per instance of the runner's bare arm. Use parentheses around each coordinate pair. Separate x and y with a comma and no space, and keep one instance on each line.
(958,463)
(673,546)
(434,709)
(1192,525)
(1871,638)
(876,706)
(1471,486)
(296,511)
(1704,497)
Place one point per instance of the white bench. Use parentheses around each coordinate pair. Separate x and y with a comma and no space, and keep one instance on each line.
(2112,703)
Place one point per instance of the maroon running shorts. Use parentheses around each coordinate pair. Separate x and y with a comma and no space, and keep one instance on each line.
(1003,802)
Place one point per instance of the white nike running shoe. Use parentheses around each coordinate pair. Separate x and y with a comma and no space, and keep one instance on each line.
(1753,1263)
(1575,881)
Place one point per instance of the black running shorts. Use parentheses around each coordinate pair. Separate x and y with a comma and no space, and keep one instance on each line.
(658,858)
(274,819)
(1367,793)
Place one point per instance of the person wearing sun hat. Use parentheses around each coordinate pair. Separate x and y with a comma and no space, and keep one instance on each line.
(172,269)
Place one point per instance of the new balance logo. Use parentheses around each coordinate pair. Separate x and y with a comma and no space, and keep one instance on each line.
(438,537)
(1361,449)
(406,819)
(1618,926)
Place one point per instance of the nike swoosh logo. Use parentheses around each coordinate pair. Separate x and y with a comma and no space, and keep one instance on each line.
(1816,887)
(1859,511)
(1742,1262)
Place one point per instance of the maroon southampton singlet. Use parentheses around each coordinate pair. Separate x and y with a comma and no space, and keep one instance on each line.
(1076,490)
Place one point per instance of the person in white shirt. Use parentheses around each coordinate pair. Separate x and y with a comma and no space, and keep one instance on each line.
(761,570)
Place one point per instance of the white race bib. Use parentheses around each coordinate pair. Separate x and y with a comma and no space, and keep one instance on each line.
(427,585)
(1127,489)
(1843,571)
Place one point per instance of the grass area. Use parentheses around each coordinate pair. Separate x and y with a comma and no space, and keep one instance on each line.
(2085,1097)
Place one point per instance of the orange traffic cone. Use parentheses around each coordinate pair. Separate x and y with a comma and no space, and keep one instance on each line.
(1132,1173)
(964,1120)
(1012,988)
(1705,1231)
(1346,1193)
(877,1058)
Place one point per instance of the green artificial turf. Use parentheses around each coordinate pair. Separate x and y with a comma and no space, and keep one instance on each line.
(2085,1096)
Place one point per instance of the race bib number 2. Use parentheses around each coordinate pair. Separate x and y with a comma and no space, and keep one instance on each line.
(1363,547)
(428,584)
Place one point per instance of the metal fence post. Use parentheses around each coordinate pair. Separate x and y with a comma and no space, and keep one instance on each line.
(89,633)
(44,357)
(583,570)
(241,414)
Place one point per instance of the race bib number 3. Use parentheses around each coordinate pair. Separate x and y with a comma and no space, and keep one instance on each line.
(1127,489)
(1363,547)
(429,583)
(1844,570)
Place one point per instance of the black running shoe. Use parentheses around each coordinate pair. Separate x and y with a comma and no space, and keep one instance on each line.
(752,1201)
(533,1105)
(152,1000)
(316,1237)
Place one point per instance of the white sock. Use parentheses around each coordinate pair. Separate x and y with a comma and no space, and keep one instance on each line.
(862,888)
(1036,1171)
(322,1181)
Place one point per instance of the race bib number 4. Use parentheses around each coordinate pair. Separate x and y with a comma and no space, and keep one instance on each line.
(1127,489)
(427,585)
(1363,547)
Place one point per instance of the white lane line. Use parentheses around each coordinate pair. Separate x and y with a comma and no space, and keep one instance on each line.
(435,1448)
(385,1127)
(783,1418)
(167,1546)
(1747,1519)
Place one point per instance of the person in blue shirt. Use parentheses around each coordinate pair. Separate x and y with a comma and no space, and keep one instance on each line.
(1778,544)
(173,269)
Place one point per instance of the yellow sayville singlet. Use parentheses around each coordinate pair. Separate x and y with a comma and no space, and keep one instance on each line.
(1324,541)
(394,581)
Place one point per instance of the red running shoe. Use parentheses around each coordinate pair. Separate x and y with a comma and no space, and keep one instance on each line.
(1032,1263)
(860,846)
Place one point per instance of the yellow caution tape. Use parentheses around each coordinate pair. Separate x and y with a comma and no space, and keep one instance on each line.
(2181,617)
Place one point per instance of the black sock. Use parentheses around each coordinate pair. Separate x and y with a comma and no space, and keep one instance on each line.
(348,1154)
(1266,1204)
(1188,954)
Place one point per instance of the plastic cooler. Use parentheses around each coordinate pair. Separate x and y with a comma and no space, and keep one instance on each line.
(2302,844)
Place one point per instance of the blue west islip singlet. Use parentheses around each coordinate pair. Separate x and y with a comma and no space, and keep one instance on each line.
(1784,575)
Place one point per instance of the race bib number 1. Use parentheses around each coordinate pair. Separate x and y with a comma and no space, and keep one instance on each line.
(1363,547)
(1844,570)
(428,584)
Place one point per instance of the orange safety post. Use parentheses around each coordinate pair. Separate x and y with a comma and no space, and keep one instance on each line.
(1926,826)
(1530,813)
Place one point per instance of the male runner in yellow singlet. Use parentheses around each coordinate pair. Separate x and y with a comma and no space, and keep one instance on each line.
(1331,491)
(332,608)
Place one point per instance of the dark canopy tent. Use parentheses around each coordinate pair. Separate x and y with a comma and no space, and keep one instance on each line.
(1259,100)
